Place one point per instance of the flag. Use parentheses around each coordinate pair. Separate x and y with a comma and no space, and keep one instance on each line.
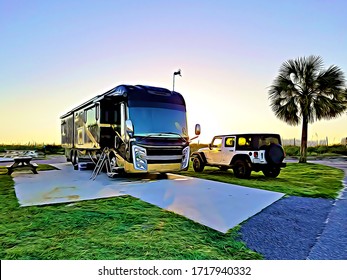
(178,73)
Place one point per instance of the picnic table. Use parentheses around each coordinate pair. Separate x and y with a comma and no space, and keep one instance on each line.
(22,163)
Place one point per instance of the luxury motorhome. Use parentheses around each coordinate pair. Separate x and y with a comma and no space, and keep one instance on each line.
(143,128)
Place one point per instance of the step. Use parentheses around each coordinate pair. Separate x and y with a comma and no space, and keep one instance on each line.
(112,174)
(118,169)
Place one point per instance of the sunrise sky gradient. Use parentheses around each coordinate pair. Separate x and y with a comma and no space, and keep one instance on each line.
(55,55)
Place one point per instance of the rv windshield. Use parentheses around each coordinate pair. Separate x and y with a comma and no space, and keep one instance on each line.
(165,122)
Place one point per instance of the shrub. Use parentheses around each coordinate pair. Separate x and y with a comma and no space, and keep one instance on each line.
(311,150)
(338,149)
(292,150)
(322,149)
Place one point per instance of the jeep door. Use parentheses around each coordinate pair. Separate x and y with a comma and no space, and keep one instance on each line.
(214,155)
(228,149)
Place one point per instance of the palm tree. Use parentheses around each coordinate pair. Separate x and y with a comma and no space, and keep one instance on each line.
(305,92)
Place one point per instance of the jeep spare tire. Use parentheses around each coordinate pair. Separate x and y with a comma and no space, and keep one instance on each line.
(274,154)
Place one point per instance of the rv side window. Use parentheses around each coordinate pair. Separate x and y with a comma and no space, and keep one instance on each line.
(90,113)
(63,128)
(80,117)
(122,120)
(97,112)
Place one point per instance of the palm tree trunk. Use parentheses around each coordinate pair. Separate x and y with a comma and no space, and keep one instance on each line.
(303,149)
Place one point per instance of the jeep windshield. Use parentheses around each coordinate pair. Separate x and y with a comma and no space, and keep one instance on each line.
(161,120)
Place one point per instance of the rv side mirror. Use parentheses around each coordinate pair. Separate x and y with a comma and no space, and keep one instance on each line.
(197,129)
(197,132)
(129,128)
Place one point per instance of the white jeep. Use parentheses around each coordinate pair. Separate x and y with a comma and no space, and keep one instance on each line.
(243,153)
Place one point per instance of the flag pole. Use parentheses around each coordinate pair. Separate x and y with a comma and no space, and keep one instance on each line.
(173,78)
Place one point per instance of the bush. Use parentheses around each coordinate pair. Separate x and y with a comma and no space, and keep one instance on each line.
(52,149)
(49,149)
(338,149)
(311,150)
(292,150)
(322,149)
(315,151)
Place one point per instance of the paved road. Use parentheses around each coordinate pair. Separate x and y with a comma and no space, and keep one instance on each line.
(301,228)
(332,243)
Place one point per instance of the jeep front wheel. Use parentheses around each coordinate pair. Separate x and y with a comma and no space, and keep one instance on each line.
(198,165)
(242,169)
(272,171)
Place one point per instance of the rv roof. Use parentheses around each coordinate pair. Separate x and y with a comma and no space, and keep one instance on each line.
(122,90)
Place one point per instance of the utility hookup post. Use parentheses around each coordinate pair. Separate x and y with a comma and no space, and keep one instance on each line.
(174,74)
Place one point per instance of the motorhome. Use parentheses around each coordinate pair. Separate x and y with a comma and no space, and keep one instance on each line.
(144,129)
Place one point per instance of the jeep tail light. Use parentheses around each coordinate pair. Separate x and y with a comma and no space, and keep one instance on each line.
(255,154)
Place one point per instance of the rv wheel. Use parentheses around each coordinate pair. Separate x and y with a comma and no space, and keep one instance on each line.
(76,160)
(113,161)
(73,155)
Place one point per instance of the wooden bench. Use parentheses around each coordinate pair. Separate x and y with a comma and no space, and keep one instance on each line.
(22,163)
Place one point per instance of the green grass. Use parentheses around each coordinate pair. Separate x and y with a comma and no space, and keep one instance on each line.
(128,228)
(115,228)
(312,180)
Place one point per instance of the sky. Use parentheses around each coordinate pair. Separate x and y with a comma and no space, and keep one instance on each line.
(54,55)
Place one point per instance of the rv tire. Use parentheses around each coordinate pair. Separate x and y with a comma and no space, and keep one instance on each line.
(113,161)
(72,157)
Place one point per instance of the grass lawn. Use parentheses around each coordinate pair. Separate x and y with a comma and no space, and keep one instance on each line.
(312,180)
(114,228)
(128,228)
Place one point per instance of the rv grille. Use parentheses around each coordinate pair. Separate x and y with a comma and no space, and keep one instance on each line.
(161,154)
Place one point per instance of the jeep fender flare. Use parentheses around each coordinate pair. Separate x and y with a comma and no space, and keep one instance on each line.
(199,155)
(243,157)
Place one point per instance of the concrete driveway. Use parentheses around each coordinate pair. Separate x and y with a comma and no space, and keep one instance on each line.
(217,205)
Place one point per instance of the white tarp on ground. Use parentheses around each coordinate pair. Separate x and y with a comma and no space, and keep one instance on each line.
(217,205)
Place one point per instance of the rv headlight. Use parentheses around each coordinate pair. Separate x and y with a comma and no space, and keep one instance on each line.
(140,158)
(185,157)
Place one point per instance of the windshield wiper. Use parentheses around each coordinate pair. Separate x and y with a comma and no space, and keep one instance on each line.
(163,134)
(173,133)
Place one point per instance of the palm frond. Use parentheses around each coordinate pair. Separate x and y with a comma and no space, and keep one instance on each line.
(304,89)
